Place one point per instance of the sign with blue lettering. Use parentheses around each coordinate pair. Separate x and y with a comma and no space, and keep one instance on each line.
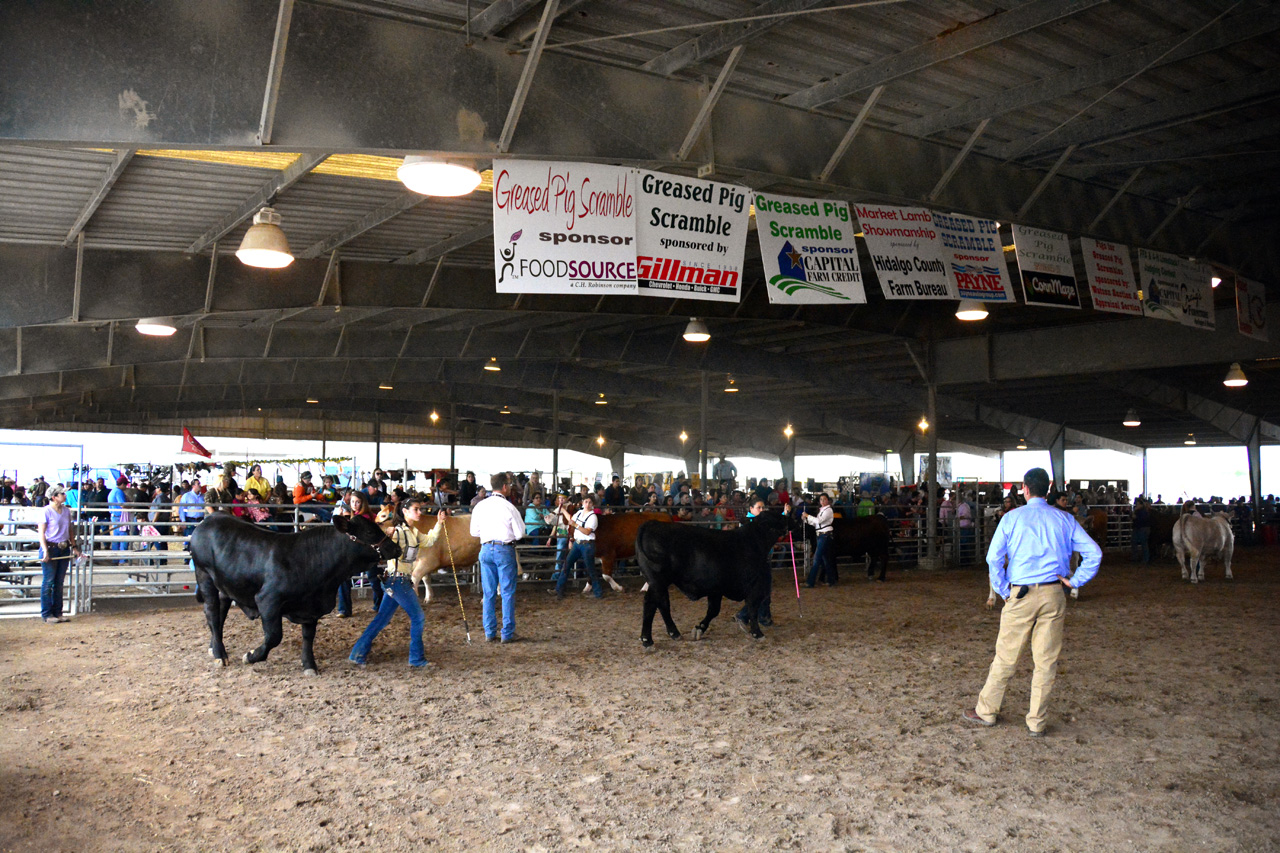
(975,257)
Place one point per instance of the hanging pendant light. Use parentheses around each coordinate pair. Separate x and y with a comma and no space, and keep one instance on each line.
(435,416)
(1022,444)
(924,423)
(1131,419)
(1190,440)
(264,244)
(600,441)
(492,364)
(730,387)
(696,332)
(429,176)
(160,327)
(788,432)
(601,401)
(684,436)
(1235,377)
(971,309)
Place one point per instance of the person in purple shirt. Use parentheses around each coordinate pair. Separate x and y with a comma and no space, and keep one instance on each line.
(1030,565)
(57,548)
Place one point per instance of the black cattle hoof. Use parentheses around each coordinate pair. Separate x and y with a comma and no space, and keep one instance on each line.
(650,649)
(219,662)
(246,657)
(766,622)
(648,644)
(757,636)
(675,635)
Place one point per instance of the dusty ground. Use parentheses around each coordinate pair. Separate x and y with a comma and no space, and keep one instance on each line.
(840,731)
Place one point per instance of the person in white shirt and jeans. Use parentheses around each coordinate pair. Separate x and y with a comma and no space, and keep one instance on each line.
(498,525)
(583,524)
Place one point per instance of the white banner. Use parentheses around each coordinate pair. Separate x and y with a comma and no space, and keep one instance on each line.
(564,227)
(906,252)
(1160,277)
(1251,308)
(1195,293)
(974,257)
(690,237)
(808,250)
(1045,266)
(1111,282)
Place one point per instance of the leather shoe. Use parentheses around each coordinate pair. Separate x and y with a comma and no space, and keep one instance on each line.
(971,715)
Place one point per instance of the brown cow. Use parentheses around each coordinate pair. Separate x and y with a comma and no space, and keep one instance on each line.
(1096,526)
(465,547)
(616,540)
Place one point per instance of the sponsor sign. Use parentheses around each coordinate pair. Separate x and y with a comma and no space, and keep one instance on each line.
(1195,295)
(1045,266)
(564,227)
(975,258)
(1159,277)
(808,250)
(690,237)
(906,252)
(1251,308)
(1111,283)
(944,471)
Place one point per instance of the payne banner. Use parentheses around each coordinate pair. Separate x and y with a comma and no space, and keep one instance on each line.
(975,258)
(808,250)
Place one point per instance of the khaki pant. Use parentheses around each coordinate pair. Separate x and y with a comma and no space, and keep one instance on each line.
(1038,615)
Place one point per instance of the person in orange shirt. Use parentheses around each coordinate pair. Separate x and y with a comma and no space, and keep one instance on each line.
(305,493)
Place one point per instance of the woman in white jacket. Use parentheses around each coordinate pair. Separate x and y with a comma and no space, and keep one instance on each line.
(822,558)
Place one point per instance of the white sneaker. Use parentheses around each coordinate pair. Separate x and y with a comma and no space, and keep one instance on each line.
(64,618)
(52,620)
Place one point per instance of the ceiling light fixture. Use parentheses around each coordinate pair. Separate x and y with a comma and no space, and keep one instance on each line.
(505,411)
(971,309)
(1215,281)
(312,400)
(601,401)
(696,332)
(155,326)
(1235,377)
(429,176)
(924,424)
(788,432)
(492,364)
(1022,444)
(1191,439)
(384,387)
(1131,418)
(435,416)
(264,244)
(684,436)
(730,388)
(600,441)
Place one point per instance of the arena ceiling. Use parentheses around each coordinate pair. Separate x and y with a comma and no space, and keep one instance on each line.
(137,139)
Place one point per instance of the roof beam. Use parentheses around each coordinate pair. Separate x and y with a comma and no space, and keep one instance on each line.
(296,171)
(451,244)
(982,33)
(709,104)
(498,15)
(118,164)
(1234,422)
(1183,149)
(398,205)
(526,76)
(724,37)
(1220,34)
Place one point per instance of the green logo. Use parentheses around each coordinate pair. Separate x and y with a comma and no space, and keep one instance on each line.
(789,286)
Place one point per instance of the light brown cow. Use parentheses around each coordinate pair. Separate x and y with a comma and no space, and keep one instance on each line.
(465,547)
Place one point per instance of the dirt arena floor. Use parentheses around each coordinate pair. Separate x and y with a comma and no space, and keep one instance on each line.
(840,731)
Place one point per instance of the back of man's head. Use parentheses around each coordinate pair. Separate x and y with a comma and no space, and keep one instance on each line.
(1037,482)
(498,482)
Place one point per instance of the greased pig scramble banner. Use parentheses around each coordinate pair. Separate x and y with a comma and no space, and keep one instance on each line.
(564,227)
(691,236)
(906,252)
(808,250)
(1045,265)
(1111,282)
(975,257)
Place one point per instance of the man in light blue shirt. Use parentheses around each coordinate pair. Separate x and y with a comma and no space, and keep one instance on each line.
(1030,561)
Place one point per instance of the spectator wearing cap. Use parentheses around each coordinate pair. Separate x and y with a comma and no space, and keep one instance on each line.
(57,548)
(304,494)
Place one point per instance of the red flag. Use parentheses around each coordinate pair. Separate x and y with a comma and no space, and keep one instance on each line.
(190,445)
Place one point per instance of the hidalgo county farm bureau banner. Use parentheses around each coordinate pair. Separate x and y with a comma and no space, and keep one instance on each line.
(808,250)
(564,227)
(691,237)
(906,252)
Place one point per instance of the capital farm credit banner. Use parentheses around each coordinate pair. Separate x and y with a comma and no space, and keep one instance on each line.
(691,236)
(808,250)
(906,252)
(564,227)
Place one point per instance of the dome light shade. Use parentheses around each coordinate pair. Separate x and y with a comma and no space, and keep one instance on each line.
(264,244)
(492,364)
(971,309)
(1131,418)
(1191,439)
(436,177)
(1235,377)
(696,332)
(1022,444)
(155,326)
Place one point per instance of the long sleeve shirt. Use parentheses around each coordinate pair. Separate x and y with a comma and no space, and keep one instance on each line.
(823,520)
(494,519)
(1033,545)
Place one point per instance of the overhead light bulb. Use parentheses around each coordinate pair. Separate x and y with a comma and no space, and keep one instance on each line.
(1131,419)
(730,388)
(924,424)
(1022,444)
(155,326)
(788,432)
(600,441)
(264,244)
(696,332)
(384,387)
(601,401)
(1235,377)
(1215,281)
(971,309)
(312,400)
(434,416)
(492,364)
(429,176)
(1191,439)
(684,436)
(505,411)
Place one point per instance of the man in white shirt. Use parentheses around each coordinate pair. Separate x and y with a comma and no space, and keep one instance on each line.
(498,525)
(583,524)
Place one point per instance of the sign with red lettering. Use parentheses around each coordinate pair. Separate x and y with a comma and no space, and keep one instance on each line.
(1045,265)
(1111,282)
(906,252)
(564,227)
(1251,308)
(975,257)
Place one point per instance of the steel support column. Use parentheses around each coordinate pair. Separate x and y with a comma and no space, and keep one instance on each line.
(1057,459)
(1254,448)
(555,439)
(931,479)
(702,430)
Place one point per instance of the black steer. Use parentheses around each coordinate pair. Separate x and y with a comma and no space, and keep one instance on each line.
(273,575)
(707,563)
(857,538)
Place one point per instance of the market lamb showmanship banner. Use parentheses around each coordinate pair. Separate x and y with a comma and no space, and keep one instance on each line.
(1111,283)
(691,236)
(906,252)
(808,250)
(1045,266)
(564,227)
(974,257)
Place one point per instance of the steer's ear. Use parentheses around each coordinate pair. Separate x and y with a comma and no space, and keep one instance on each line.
(341,522)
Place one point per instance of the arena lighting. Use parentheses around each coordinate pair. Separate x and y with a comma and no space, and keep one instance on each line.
(493,365)
(924,424)
(310,400)
(1131,419)
(600,441)
(730,388)
(1235,377)
(434,416)
(1191,439)
(788,432)
(155,326)
(601,401)
(1215,281)
(505,411)
(1022,444)
(684,436)
(264,244)
(971,309)
(436,177)
(384,387)
(696,332)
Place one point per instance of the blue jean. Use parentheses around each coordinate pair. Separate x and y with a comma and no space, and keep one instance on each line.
(344,593)
(562,552)
(498,577)
(584,552)
(399,592)
(1141,544)
(55,572)
(823,566)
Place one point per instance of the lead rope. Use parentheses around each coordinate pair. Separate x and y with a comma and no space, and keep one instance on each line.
(456,587)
